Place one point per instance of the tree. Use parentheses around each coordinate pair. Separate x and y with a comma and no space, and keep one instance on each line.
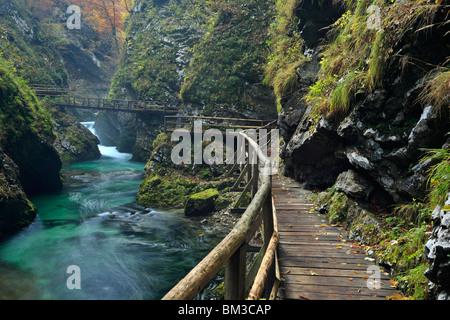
(105,16)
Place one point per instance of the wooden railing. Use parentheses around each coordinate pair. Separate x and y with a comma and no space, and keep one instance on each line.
(118,105)
(42,90)
(231,251)
(48,90)
(181,121)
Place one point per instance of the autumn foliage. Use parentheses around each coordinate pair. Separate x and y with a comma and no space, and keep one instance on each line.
(105,16)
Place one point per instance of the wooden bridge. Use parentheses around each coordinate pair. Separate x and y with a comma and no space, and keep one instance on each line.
(116,105)
(302,256)
(67,100)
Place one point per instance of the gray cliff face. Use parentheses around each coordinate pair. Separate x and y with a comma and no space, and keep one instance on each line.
(129,132)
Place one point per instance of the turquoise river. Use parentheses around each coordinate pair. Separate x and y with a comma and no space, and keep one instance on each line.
(123,251)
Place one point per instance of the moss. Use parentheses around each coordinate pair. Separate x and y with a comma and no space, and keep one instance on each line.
(414,283)
(170,190)
(20,110)
(201,203)
(222,202)
(155,37)
(337,207)
(286,48)
(355,62)
(34,55)
(227,65)
(219,291)
(395,242)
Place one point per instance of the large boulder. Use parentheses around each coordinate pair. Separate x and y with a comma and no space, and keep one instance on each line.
(74,141)
(353,184)
(201,203)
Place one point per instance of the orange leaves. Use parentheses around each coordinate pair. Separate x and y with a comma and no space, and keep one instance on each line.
(105,16)
(396,296)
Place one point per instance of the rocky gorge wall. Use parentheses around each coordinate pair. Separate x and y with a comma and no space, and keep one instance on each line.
(30,164)
(360,107)
(206,56)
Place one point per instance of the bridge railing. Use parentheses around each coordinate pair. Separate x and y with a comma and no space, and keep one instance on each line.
(51,90)
(231,251)
(180,121)
(116,104)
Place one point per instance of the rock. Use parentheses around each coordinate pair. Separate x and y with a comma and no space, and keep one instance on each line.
(74,142)
(16,211)
(132,133)
(222,202)
(361,224)
(354,185)
(201,203)
(437,252)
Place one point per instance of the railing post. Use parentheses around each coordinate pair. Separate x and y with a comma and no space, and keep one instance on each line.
(268,229)
(235,275)
(267,213)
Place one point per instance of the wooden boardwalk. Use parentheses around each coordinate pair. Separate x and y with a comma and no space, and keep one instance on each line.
(316,260)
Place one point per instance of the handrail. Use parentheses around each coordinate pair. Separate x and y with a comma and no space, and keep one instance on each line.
(116,104)
(231,250)
(173,122)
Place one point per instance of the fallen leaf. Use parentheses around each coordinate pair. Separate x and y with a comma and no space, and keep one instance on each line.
(393,283)
(365,277)
(312,273)
(355,272)
(338,247)
(311,210)
(323,225)
(359,265)
(350,279)
(303,297)
(369,259)
(396,296)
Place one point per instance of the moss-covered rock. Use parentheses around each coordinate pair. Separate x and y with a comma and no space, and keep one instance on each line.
(27,133)
(16,211)
(74,142)
(29,163)
(201,203)
(361,224)
(223,201)
(167,185)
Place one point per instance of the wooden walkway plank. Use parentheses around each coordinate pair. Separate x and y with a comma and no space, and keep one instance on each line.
(316,259)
